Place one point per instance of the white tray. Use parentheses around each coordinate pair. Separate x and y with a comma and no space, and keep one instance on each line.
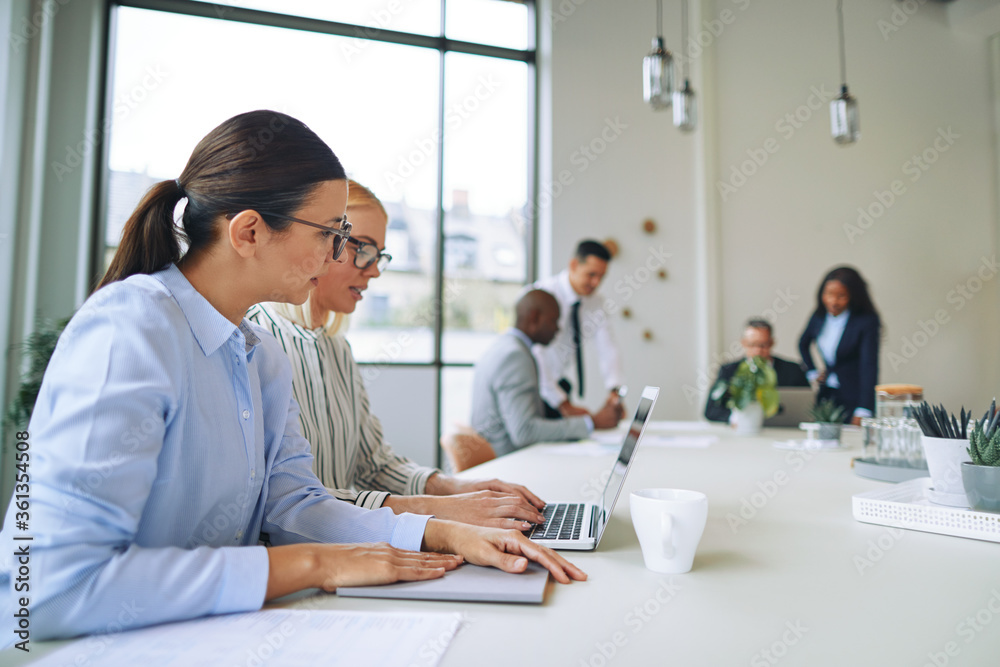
(906,506)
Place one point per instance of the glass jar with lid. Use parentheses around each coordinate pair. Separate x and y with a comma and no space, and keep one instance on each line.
(897,400)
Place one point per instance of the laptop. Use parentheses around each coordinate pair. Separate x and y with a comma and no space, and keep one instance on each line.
(579,526)
(796,402)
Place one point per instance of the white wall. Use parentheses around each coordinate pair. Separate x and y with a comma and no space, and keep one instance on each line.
(643,170)
(784,227)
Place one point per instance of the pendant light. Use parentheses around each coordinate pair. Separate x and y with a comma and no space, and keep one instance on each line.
(658,69)
(685,108)
(844,124)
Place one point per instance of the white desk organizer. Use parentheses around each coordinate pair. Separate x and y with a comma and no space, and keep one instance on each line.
(905,505)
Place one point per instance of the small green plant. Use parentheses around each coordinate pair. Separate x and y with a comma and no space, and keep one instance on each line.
(827,412)
(754,380)
(36,350)
(984,440)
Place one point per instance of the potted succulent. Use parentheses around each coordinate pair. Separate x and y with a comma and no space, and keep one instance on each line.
(830,418)
(981,476)
(752,394)
(945,441)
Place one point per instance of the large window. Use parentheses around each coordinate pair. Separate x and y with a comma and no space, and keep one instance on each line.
(428,104)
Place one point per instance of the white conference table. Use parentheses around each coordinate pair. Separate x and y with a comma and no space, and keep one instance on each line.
(786,583)
(799,583)
(791,566)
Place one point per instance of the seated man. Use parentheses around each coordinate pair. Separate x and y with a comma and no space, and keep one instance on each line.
(507,409)
(757,340)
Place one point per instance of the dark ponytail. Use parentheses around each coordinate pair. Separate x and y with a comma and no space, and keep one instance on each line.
(149,241)
(262,160)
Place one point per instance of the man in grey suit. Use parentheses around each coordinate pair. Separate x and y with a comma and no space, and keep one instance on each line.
(507,409)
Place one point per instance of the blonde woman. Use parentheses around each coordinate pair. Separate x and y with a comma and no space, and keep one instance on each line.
(351,456)
(165,438)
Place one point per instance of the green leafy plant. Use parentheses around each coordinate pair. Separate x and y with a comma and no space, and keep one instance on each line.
(753,381)
(827,412)
(984,440)
(36,350)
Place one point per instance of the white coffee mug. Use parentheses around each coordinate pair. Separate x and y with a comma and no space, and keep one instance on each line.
(669,524)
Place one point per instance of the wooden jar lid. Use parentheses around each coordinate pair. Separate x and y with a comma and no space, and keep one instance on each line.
(898,389)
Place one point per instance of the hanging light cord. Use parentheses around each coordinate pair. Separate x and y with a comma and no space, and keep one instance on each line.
(682,54)
(843,57)
(659,17)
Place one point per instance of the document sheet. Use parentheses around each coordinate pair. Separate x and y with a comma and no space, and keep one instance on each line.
(272,637)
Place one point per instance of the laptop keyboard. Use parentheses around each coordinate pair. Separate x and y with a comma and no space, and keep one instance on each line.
(562,522)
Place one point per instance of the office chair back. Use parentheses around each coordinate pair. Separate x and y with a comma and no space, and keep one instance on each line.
(465,448)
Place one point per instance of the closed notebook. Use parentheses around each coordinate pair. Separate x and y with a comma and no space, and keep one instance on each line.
(467,583)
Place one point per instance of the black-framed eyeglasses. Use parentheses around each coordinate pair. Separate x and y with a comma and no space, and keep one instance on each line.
(366,254)
(340,235)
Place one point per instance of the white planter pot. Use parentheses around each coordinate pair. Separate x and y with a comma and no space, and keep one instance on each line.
(945,457)
(751,420)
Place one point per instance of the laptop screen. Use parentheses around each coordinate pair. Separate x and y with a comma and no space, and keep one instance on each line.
(627,453)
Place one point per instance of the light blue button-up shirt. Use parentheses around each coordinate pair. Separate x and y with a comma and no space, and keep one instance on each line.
(829,339)
(164,440)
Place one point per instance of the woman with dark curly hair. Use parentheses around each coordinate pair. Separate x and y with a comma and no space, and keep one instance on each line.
(846,328)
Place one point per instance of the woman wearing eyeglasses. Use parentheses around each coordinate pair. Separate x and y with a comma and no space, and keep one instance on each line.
(165,439)
(351,457)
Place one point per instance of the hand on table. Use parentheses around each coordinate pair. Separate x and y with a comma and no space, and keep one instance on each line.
(609,415)
(298,566)
(507,550)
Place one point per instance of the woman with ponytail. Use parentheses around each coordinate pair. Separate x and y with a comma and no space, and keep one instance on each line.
(165,439)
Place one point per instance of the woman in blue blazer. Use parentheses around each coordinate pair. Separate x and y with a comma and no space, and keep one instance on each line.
(846,329)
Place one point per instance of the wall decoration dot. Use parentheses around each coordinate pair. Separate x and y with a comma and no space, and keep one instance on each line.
(662,274)
(627,313)
(649,226)
(612,246)
(647,334)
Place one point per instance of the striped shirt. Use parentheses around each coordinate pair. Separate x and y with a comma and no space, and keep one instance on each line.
(350,456)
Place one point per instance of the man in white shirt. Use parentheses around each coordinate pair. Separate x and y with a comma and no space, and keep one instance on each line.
(582,319)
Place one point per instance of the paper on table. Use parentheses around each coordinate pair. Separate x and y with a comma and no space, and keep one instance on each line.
(603,447)
(676,426)
(273,637)
(680,441)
